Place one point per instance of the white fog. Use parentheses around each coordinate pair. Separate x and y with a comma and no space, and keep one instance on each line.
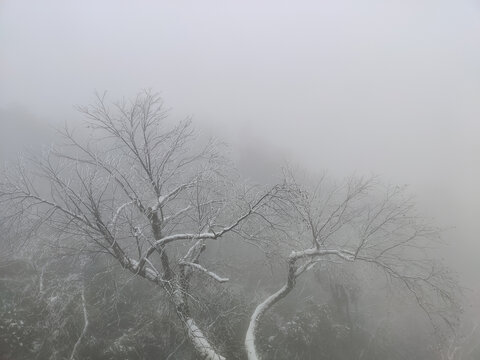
(384,88)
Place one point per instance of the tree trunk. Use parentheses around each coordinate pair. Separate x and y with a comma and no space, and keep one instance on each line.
(196,337)
(262,308)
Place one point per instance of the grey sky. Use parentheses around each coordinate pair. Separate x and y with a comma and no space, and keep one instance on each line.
(388,87)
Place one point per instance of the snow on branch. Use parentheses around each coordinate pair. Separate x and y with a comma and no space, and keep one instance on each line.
(306,267)
(314,252)
(214,235)
(119,210)
(209,273)
(177,214)
(162,200)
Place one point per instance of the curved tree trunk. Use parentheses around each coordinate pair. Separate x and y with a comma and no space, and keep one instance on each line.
(263,307)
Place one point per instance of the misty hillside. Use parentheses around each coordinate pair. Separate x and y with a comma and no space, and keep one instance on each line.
(249,180)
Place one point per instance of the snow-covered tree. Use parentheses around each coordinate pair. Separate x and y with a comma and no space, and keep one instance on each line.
(362,222)
(145,192)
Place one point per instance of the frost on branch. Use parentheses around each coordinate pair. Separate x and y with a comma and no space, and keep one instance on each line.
(359,222)
(162,204)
